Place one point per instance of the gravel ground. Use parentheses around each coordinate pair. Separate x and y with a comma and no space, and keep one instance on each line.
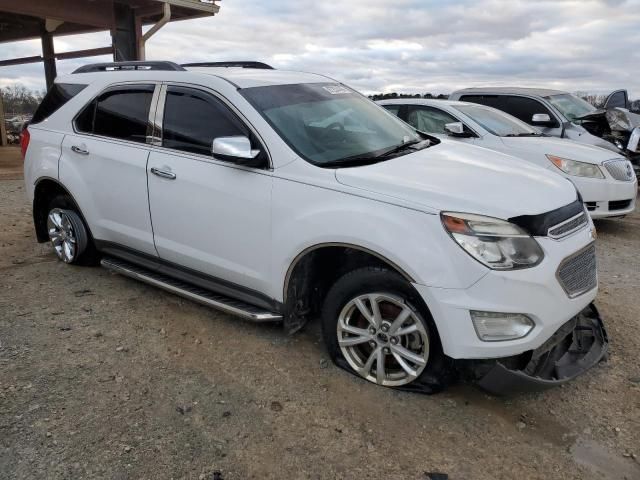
(103,377)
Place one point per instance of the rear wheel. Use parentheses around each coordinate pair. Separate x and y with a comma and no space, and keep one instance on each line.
(68,233)
(377,327)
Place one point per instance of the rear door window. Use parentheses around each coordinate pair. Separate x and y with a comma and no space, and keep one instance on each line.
(121,112)
(193,118)
(488,100)
(56,97)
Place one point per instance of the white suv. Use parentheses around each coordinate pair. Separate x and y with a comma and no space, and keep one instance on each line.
(283,196)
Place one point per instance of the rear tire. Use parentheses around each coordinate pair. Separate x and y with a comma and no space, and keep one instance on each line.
(69,234)
(376,326)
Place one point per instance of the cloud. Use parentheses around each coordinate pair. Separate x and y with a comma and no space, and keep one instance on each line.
(407,45)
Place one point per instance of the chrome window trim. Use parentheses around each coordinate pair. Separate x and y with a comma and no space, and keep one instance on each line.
(151,126)
(158,117)
(572,231)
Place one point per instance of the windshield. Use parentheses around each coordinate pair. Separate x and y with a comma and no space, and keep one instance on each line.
(497,122)
(570,106)
(326,123)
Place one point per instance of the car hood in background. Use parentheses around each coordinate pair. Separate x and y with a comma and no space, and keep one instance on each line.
(619,119)
(570,149)
(457,177)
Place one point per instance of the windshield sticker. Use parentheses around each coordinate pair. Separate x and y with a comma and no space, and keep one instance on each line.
(336,89)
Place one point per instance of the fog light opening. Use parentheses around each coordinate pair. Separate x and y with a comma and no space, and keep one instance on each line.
(499,327)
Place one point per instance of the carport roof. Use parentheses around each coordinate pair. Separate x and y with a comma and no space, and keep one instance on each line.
(24,20)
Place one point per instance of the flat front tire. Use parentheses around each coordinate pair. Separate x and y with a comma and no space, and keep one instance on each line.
(376,326)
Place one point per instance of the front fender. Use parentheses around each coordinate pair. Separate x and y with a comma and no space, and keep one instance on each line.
(306,216)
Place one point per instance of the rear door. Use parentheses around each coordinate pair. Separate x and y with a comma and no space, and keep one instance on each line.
(104,165)
(208,215)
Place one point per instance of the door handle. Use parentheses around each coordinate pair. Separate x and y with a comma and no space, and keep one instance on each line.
(163,173)
(79,150)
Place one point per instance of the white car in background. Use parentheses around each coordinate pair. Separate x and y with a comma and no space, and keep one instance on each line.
(606,180)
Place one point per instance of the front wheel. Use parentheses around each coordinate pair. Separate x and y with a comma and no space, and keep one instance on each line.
(376,326)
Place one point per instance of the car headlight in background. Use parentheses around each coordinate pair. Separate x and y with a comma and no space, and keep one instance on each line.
(575,168)
(496,243)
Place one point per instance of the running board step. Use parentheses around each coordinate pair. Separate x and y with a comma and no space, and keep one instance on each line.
(197,294)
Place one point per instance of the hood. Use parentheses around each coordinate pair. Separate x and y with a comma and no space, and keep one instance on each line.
(581,152)
(618,119)
(465,178)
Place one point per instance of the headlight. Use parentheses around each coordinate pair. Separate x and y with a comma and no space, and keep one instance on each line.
(496,243)
(575,168)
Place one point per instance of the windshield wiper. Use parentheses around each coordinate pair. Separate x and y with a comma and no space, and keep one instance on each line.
(368,159)
(403,146)
(531,134)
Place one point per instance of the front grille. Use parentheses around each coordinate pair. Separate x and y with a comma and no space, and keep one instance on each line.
(620,170)
(619,204)
(568,226)
(591,206)
(578,274)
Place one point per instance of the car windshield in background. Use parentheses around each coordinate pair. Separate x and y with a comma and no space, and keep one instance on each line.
(570,106)
(330,124)
(496,122)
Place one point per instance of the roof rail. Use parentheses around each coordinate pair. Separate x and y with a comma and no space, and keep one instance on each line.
(127,66)
(240,64)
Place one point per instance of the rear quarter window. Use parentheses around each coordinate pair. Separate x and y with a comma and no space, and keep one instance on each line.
(56,97)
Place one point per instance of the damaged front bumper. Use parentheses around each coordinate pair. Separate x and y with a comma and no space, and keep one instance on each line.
(575,347)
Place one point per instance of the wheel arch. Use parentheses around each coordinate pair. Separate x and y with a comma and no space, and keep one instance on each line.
(298,258)
(46,188)
(316,268)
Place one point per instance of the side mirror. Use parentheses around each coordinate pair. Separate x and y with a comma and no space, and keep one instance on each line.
(236,149)
(634,141)
(456,129)
(541,119)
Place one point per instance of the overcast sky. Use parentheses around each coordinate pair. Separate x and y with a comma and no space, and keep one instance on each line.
(413,46)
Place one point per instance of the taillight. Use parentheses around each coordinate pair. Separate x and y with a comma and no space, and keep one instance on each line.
(25,136)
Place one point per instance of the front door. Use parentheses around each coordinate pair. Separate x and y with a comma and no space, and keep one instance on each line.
(433,120)
(208,215)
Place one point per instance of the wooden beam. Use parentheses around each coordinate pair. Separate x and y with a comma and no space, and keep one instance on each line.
(90,52)
(207,6)
(20,61)
(99,14)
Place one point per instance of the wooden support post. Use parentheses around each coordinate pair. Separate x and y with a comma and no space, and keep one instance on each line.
(3,128)
(49,57)
(124,37)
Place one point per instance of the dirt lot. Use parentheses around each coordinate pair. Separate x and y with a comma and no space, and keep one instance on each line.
(103,377)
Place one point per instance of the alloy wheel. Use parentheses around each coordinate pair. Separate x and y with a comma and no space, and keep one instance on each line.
(383,339)
(62,235)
